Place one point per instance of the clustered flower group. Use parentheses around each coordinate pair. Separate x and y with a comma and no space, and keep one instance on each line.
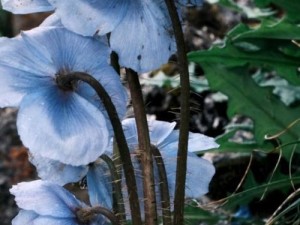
(66,127)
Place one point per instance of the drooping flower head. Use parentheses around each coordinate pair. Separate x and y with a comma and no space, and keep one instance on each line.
(43,202)
(64,123)
(141,30)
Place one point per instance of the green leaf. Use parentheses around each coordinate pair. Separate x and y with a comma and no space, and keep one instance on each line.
(193,214)
(271,29)
(198,84)
(228,145)
(288,94)
(266,56)
(246,196)
(270,115)
(291,7)
(250,12)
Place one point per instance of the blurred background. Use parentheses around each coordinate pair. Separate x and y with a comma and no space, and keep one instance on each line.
(203,27)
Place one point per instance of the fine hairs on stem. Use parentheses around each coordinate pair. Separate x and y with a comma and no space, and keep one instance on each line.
(84,215)
(144,146)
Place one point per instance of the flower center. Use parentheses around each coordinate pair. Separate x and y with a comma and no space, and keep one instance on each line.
(85,215)
(62,81)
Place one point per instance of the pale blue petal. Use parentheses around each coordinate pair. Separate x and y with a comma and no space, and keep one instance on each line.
(130,132)
(109,79)
(24,217)
(26,6)
(38,51)
(199,171)
(159,130)
(52,21)
(24,54)
(15,84)
(88,17)
(149,37)
(71,52)
(198,177)
(199,142)
(24,67)
(199,174)
(47,220)
(46,199)
(99,183)
(100,220)
(62,126)
(57,172)
(190,2)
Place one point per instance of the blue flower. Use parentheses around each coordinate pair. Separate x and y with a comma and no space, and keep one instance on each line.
(57,172)
(144,25)
(45,203)
(98,177)
(69,125)
(165,138)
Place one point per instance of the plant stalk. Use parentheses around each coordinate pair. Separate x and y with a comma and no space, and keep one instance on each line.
(184,115)
(144,147)
(118,202)
(164,187)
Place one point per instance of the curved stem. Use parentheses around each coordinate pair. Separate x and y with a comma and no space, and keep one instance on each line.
(87,214)
(105,212)
(144,147)
(119,135)
(164,186)
(118,202)
(184,114)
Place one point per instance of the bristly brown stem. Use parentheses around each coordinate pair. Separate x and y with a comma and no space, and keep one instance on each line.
(118,202)
(86,215)
(144,147)
(164,187)
(119,136)
(184,114)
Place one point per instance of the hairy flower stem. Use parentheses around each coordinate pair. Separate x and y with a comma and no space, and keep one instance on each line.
(119,136)
(184,114)
(118,202)
(84,215)
(144,147)
(164,187)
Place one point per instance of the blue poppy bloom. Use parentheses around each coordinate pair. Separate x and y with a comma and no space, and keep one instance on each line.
(99,179)
(56,171)
(45,203)
(69,125)
(144,25)
(165,138)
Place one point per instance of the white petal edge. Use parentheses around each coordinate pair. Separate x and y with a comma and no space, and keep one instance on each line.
(26,6)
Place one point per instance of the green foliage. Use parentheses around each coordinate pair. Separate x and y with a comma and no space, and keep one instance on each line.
(256,191)
(193,214)
(257,67)
(268,45)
